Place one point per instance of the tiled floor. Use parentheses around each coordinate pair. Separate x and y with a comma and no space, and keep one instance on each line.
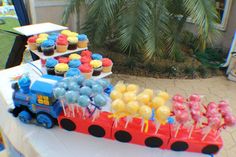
(214,89)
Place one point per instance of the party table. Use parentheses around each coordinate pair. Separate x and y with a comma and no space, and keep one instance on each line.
(35,141)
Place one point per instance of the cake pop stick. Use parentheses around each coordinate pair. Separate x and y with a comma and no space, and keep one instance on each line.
(59,94)
(71,99)
(83,102)
(145,112)
(181,117)
(161,115)
(100,101)
(118,107)
(131,108)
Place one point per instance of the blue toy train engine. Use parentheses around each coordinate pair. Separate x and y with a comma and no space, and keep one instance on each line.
(36,103)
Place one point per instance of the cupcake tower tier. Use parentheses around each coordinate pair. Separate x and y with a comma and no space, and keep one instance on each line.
(56,54)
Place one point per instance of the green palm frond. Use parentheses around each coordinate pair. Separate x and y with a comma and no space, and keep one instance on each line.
(101,13)
(72,7)
(204,15)
(156,31)
(133,24)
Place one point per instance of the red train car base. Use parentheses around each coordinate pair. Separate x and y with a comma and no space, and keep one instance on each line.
(103,127)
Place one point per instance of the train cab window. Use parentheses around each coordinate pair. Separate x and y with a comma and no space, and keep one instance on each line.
(43,100)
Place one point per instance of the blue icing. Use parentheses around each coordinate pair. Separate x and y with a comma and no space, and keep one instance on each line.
(51,62)
(96,56)
(48,43)
(74,63)
(54,33)
(72,72)
(53,37)
(82,37)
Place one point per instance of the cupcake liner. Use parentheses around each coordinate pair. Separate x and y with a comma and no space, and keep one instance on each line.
(48,51)
(107,69)
(87,75)
(61,48)
(97,71)
(32,46)
(83,44)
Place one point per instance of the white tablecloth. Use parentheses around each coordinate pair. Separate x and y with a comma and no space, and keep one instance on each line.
(35,141)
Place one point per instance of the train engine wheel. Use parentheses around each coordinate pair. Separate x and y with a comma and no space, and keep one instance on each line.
(45,120)
(25,116)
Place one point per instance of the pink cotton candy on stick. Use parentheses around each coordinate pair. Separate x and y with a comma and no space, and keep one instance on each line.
(214,123)
(223,104)
(230,120)
(225,111)
(195,98)
(181,117)
(211,106)
(178,106)
(212,112)
(178,98)
(196,116)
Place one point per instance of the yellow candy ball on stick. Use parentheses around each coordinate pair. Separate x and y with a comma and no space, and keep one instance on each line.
(149,92)
(116,95)
(132,107)
(121,87)
(164,95)
(118,105)
(161,116)
(145,112)
(157,102)
(129,96)
(144,98)
(132,88)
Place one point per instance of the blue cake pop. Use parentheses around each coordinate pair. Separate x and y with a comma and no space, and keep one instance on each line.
(85,91)
(104,83)
(62,85)
(59,92)
(100,100)
(89,82)
(83,100)
(97,89)
(71,97)
(80,79)
(72,85)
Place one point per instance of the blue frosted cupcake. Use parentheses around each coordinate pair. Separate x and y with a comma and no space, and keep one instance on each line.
(48,47)
(73,72)
(83,41)
(75,63)
(53,37)
(50,65)
(96,56)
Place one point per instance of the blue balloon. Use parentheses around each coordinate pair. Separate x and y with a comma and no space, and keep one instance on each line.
(80,79)
(89,83)
(83,101)
(71,97)
(59,92)
(97,89)
(62,85)
(85,91)
(100,100)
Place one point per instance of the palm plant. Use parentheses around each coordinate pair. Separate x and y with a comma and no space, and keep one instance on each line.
(153,27)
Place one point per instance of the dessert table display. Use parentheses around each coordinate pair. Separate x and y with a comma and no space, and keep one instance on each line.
(66,87)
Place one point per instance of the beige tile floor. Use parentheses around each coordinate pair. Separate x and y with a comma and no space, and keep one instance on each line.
(214,89)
